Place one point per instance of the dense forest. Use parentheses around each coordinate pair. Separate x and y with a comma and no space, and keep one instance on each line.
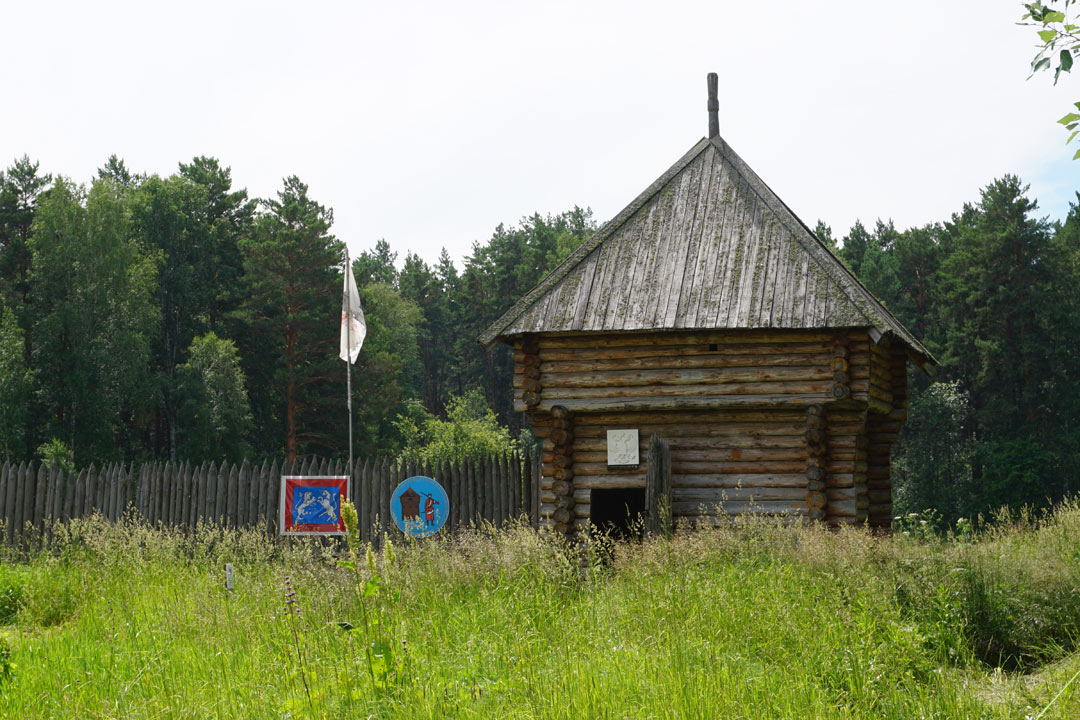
(177,318)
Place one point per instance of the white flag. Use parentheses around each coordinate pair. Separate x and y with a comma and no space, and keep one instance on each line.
(353,325)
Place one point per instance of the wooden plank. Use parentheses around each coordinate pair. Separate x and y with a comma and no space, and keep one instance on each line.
(515,478)
(186,491)
(745,494)
(260,506)
(737,420)
(783,345)
(388,473)
(50,494)
(686,378)
(13,502)
(273,499)
(150,513)
(118,492)
(695,220)
(28,491)
(507,484)
(496,491)
(221,501)
(176,511)
(141,491)
(713,402)
(731,508)
(467,492)
(451,474)
(198,503)
(779,390)
(168,493)
(208,501)
(79,501)
(101,490)
(631,306)
(363,494)
(243,494)
(491,489)
(690,360)
(69,498)
(41,492)
(5,474)
(233,497)
(164,492)
(684,211)
(127,489)
(254,480)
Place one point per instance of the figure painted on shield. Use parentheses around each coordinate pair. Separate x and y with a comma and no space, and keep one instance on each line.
(429,509)
(300,510)
(327,503)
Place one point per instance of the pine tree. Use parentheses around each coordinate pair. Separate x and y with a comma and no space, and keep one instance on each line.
(291,269)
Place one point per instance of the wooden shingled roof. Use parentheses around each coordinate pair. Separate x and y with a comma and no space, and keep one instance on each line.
(706,246)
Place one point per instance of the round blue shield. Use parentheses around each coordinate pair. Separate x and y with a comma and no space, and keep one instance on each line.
(419,506)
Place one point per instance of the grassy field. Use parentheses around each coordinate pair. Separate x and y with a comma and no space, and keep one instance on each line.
(759,621)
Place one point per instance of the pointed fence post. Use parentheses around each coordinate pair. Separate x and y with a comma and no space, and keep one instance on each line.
(273,503)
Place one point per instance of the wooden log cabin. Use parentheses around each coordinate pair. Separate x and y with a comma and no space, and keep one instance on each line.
(708,314)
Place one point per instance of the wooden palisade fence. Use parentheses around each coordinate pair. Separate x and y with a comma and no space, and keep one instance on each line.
(33,496)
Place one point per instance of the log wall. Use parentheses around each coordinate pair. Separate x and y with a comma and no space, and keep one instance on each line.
(771,422)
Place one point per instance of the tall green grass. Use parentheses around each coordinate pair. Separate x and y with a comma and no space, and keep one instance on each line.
(759,621)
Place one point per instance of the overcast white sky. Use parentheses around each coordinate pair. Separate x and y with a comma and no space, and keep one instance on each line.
(429,123)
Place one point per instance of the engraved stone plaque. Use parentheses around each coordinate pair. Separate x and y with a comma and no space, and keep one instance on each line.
(622,447)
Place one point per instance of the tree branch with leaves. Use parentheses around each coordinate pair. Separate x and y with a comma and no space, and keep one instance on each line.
(1059,36)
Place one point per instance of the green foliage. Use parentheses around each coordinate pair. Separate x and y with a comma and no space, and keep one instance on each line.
(93,318)
(215,416)
(56,453)
(470,430)
(788,621)
(20,189)
(1013,474)
(995,295)
(1059,44)
(44,594)
(386,665)
(383,376)
(495,276)
(932,462)
(16,384)
(291,271)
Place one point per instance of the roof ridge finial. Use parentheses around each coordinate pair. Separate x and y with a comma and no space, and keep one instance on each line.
(714,107)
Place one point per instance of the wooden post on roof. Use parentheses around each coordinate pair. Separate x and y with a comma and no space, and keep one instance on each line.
(714,106)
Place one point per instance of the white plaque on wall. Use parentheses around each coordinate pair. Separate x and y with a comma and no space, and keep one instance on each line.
(622,447)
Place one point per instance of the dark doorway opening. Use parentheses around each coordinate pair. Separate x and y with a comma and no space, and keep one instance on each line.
(618,511)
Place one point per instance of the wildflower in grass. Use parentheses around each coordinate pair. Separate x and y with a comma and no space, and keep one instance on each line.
(371,566)
(349,517)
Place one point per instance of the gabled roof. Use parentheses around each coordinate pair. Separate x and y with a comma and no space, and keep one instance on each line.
(706,246)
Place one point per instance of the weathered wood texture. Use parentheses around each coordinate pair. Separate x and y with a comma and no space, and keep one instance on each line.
(882,433)
(707,246)
(793,445)
(658,486)
(33,497)
(696,371)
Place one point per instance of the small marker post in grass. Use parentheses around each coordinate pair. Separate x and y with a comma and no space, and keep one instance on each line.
(229,577)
